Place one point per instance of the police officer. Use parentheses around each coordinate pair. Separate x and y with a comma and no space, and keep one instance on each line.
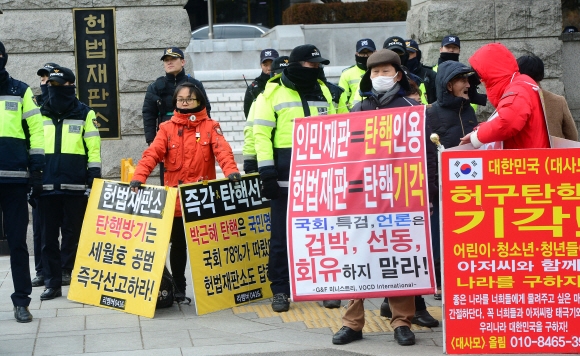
(267,56)
(426,74)
(350,77)
(36,227)
(22,152)
(158,105)
(295,93)
(73,161)
(248,149)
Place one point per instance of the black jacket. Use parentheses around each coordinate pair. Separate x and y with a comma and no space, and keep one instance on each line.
(451,117)
(253,90)
(161,90)
(428,76)
(372,102)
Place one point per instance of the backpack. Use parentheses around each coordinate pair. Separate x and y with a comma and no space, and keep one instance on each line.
(166,297)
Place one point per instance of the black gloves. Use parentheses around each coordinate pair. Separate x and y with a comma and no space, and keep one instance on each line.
(35,184)
(250,166)
(135,184)
(235,177)
(474,96)
(270,188)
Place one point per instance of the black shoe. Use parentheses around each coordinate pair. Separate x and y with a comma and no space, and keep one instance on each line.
(423,318)
(437,295)
(404,336)
(280,303)
(51,293)
(22,315)
(346,335)
(386,310)
(331,304)
(38,280)
(66,277)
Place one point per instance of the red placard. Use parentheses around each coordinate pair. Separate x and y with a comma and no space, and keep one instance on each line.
(511,232)
(358,206)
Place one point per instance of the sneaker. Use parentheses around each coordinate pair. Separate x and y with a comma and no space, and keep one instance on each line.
(38,280)
(280,303)
(66,277)
(331,304)
(346,335)
(437,296)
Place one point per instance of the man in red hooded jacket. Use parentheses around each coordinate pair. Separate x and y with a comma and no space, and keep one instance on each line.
(519,118)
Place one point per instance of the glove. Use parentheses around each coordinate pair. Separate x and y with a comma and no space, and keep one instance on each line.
(250,166)
(270,188)
(135,185)
(35,184)
(235,177)
(88,192)
(474,96)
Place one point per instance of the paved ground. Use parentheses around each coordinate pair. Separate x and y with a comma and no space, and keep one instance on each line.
(63,327)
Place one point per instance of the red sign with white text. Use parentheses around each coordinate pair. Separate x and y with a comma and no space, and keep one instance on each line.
(511,227)
(358,206)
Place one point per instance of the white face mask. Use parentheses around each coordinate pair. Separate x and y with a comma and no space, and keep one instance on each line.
(382,83)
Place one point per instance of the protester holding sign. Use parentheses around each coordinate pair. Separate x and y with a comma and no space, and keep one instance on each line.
(384,85)
(519,118)
(189,144)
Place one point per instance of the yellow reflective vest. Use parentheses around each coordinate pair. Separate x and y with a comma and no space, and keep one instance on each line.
(349,80)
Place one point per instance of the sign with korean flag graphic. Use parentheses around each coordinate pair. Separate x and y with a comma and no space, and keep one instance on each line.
(358,206)
(465,169)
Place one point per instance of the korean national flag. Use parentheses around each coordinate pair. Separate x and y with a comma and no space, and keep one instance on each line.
(465,169)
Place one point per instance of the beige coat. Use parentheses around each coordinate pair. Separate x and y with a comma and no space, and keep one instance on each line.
(560,121)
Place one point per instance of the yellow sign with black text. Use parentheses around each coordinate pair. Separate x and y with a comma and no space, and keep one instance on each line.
(123,247)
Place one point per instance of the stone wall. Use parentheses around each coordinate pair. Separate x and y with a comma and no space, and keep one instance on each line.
(571,74)
(524,26)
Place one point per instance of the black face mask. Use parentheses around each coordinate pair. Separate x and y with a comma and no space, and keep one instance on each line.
(302,77)
(44,92)
(190,111)
(444,56)
(3,60)
(61,98)
(413,64)
(361,62)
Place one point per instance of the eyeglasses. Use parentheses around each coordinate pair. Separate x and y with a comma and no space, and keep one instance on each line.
(186,100)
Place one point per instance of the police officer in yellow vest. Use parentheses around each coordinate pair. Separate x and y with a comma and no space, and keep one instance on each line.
(73,161)
(350,77)
(22,152)
(293,94)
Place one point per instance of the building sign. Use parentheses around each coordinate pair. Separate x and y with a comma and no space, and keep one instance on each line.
(123,247)
(96,62)
(511,252)
(227,226)
(358,206)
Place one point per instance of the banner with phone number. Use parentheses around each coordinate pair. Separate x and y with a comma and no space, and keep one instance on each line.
(358,206)
(511,231)
(123,247)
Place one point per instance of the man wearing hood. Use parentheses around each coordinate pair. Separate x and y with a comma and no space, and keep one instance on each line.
(267,57)
(350,77)
(22,152)
(425,73)
(519,118)
(73,161)
(384,85)
(297,92)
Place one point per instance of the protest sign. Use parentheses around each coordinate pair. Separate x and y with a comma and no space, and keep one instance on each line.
(510,225)
(123,247)
(227,226)
(358,206)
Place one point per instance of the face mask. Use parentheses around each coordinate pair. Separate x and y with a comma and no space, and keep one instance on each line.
(448,57)
(61,98)
(302,77)
(413,64)
(361,62)
(44,91)
(383,84)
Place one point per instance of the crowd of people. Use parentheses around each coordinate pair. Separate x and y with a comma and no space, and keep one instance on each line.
(51,147)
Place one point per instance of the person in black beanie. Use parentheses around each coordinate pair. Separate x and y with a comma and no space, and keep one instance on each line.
(22,163)
(267,56)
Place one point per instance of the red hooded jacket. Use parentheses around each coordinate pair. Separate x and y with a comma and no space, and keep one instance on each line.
(520,121)
(189,149)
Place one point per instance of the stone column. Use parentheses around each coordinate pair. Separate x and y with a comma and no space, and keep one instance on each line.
(35,34)
(524,26)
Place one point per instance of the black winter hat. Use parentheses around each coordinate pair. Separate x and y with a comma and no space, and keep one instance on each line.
(61,75)
(307,53)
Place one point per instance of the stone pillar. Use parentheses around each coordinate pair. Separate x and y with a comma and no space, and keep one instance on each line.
(34,35)
(524,26)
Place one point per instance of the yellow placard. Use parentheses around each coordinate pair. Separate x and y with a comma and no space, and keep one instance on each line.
(227,226)
(123,247)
